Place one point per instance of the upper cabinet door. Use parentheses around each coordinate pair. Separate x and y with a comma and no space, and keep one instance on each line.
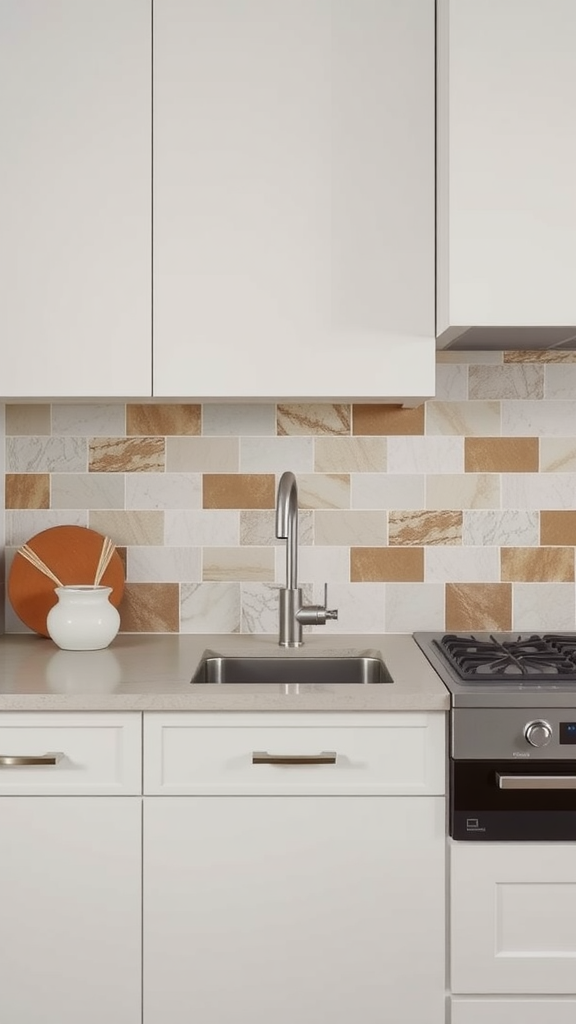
(294,198)
(506,159)
(75,197)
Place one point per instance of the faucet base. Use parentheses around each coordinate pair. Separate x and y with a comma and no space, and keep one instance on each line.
(290,631)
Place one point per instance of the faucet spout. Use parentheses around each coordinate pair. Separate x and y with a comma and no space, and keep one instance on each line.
(287,525)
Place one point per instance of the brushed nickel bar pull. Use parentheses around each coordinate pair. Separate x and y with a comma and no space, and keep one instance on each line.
(536,781)
(263,757)
(19,760)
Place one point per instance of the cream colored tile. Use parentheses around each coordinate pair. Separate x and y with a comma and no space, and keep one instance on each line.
(92,419)
(324,490)
(23,524)
(472,490)
(87,490)
(163,490)
(522,381)
(537,419)
(202,528)
(510,527)
(28,419)
(310,418)
(316,565)
(275,454)
(451,382)
(163,564)
(558,454)
(350,528)
(46,454)
(412,606)
(463,418)
(361,608)
(422,528)
(387,491)
(241,563)
(350,454)
(538,490)
(258,526)
(245,420)
(462,565)
(129,527)
(543,606)
(425,454)
(447,356)
(560,381)
(202,454)
(210,608)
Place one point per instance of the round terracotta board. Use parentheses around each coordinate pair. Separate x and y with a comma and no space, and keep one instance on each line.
(72,553)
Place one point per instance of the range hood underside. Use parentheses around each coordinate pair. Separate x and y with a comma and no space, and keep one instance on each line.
(501,339)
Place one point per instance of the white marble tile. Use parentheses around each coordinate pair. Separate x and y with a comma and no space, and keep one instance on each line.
(90,420)
(462,564)
(350,454)
(350,528)
(227,418)
(317,565)
(425,454)
(23,524)
(451,382)
(259,608)
(543,606)
(412,606)
(276,454)
(87,490)
(470,419)
(245,564)
(558,454)
(387,491)
(202,454)
(361,608)
(539,490)
(467,490)
(509,528)
(163,564)
(323,490)
(210,607)
(163,490)
(560,381)
(512,381)
(538,419)
(258,526)
(46,455)
(201,528)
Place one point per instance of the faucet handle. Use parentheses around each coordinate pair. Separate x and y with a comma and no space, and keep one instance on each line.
(316,614)
(329,613)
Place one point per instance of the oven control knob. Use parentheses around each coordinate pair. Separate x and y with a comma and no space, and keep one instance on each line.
(538,733)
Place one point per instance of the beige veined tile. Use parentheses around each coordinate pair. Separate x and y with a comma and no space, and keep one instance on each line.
(126,455)
(28,419)
(169,419)
(350,528)
(202,454)
(386,564)
(387,419)
(558,527)
(478,606)
(27,490)
(150,608)
(313,419)
(129,527)
(472,358)
(242,563)
(526,381)
(537,565)
(239,490)
(539,356)
(210,607)
(408,527)
(558,455)
(469,490)
(324,490)
(543,606)
(501,454)
(350,454)
(463,418)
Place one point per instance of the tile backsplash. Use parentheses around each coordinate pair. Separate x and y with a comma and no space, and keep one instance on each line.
(459,514)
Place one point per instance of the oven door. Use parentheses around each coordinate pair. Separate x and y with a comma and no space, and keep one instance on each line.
(508,800)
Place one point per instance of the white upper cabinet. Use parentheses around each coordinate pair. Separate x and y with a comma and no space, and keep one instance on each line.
(75,197)
(294,199)
(506,159)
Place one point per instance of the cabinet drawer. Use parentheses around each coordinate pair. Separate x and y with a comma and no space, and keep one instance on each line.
(513,1011)
(291,753)
(95,752)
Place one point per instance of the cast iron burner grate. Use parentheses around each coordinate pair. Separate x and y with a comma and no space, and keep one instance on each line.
(527,659)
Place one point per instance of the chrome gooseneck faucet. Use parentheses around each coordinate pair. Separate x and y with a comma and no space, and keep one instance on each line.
(293,614)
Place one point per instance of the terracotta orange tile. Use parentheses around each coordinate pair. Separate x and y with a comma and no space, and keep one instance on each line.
(126,455)
(386,565)
(437,527)
(539,356)
(478,606)
(501,454)
(313,418)
(387,419)
(558,527)
(27,490)
(537,565)
(238,490)
(166,420)
(150,608)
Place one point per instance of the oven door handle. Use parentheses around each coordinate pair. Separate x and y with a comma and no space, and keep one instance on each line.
(536,781)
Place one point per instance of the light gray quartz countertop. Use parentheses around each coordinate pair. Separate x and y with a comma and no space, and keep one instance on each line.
(152,672)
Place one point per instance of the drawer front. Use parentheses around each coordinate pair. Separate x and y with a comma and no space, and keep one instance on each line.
(290,753)
(513,1011)
(70,753)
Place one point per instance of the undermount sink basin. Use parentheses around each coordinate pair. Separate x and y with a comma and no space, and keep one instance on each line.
(281,670)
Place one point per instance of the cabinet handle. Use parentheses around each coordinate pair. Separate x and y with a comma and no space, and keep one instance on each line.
(536,781)
(262,757)
(18,760)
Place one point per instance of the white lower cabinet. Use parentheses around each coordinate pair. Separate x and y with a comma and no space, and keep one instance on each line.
(513,1011)
(281,891)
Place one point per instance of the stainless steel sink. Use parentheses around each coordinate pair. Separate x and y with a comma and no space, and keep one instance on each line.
(284,670)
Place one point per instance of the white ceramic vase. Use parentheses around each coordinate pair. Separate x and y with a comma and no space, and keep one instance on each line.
(83,618)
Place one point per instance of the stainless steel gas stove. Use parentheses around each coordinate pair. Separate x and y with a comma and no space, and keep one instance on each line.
(512,732)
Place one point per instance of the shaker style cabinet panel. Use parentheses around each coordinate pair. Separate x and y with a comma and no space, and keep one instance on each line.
(294,199)
(506,157)
(513,1011)
(75,197)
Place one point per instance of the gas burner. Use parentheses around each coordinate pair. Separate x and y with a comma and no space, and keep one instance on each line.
(525,659)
